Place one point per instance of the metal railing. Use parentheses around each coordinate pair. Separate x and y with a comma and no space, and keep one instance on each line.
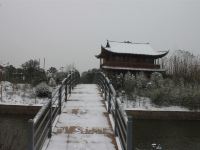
(123,122)
(40,127)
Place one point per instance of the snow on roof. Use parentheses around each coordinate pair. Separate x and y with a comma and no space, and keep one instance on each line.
(132,48)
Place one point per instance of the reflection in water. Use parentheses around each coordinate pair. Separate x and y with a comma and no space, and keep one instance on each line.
(168,135)
(13,132)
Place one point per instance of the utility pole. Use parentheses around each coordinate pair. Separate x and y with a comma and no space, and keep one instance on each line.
(44,64)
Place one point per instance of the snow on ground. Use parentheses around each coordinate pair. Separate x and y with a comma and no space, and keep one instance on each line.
(143,103)
(83,124)
(19,94)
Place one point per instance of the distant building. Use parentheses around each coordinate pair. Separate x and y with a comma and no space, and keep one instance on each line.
(121,57)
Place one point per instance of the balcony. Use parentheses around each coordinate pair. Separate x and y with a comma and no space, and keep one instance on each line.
(131,65)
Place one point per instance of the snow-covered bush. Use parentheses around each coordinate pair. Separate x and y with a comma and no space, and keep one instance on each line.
(88,76)
(141,81)
(166,93)
(156,80)
(43,90)
(163,92)
(162,96)
(120,81)
(177,94)
(52,82)
(59,76)
(129,82)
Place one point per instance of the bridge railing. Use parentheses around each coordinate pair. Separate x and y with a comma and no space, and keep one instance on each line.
(123,123)
(40,127)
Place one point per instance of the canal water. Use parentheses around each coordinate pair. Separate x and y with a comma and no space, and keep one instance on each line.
(169,135)
(13,132)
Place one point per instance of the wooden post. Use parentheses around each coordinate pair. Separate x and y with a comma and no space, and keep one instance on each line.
(129,133)
(31,135)
(109,100)
(73,80)
(70,83)
(105,93)
(70,87)
(66,92)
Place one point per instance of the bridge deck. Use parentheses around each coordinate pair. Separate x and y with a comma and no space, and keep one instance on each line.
(84,123)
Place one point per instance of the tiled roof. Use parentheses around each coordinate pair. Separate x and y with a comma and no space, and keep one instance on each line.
(132,48)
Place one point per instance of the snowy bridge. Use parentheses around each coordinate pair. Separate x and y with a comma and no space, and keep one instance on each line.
(84,123)
(81,117)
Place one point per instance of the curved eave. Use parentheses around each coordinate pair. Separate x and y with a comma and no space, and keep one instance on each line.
(154,56)
(163,54)
(98,56)
(102,54)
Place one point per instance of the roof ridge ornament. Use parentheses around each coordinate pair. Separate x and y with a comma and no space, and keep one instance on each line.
(107,44)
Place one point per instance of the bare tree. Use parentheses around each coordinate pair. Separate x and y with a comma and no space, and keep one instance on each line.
(183,64)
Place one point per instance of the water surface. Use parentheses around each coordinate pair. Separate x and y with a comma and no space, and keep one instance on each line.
(13,132)
(171,135)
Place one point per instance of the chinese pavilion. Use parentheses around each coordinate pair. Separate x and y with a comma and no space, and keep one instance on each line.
(120,57)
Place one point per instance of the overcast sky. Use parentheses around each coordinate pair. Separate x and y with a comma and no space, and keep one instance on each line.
(72,31)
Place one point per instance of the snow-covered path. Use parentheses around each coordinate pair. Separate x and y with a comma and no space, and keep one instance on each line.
(84,122)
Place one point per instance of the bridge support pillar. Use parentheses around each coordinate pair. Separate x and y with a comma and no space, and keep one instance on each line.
(129,136)
(31,134)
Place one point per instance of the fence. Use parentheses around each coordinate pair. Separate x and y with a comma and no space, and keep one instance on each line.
(40,127)
(123,123)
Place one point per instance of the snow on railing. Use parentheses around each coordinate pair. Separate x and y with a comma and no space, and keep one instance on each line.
(123,122)
(40,127)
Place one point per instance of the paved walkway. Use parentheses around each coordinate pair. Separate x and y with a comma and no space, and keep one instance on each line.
(84,123)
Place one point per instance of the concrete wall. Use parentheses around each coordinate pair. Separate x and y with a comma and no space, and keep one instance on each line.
(164,115)
(19,110)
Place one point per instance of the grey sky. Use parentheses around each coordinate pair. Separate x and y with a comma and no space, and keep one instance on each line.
(72,31)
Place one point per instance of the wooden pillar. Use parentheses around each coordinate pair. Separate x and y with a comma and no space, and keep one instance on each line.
(101,62)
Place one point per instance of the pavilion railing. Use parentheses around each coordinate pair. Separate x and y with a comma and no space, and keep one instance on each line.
(123,123)
(40,127)
(132,64)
